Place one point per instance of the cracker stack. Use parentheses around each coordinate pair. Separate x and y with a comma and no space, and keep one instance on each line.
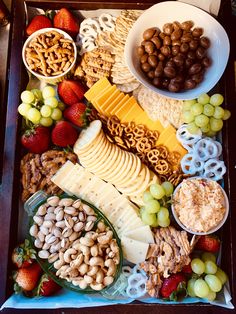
(112,164)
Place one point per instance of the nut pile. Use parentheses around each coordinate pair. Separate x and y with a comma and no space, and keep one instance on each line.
(176,57)
(83,252)
(50,54)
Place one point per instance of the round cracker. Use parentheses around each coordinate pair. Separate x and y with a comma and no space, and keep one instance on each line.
(123,171)
(118,164)
(135,184)
(143,187)
(96,149)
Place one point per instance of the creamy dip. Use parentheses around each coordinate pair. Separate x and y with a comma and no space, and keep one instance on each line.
(199,204)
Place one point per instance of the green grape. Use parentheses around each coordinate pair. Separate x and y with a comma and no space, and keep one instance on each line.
(164,223)
(48,91)
(210,267)
(155,224)
(188,104)
(152,206)
(206,128)
(37,93)
(34,115)
(210,133)
(197,109)
(201,120)
(211,296)
(61,105)
(147,196)
(197,265)
(51,101)
(148,219)
(221,275)
(219,113)
(157,191)
(23,109)
(201,288)
(168,187)
(46,121)
(216,100)
(213,282)
(27,97)
(163,214)
(190,287)
(208,110)
(56,114)
(188,116)
(192,128)
(207,256)
(203,99)
(216,124)
(46,111)
(227,114)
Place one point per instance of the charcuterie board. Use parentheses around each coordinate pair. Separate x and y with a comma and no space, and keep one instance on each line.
(147,162)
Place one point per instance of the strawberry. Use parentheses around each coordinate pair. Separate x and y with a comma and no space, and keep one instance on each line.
(76,114)
(47,286)
(37,139)
(66,21)
(26,279)
(64,134)
(208,243)
(23,255)
(38,22)
(70,92)
(173,286)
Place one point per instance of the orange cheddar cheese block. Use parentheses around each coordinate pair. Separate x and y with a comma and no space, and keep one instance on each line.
(165,135)
(100,99)
(134,110)
(97,88)
(103,104)
(114,104)
(116,108)
(179,148)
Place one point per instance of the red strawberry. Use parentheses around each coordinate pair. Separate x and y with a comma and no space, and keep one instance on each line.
(208,243)
(47,286)
(70,92)
(66,21)
(27,278)
(76,114)
(64,134)
(173,286)
(37,139)
(23,255)
(187,269)
(38,22)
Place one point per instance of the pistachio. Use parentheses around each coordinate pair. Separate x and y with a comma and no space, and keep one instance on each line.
(76,204)
(41,236)
(53,200)
(78,226)
(60,224)
(89,225)
(44,230)
(70,210)
(42,210)
(82,216)
(59,215)
(48,224)
(38,244)
(67,232)
(50,209)
(66,202)
(53,257)
(43,254)
(50,216)
(69,222)
(33,230)
(57,232)
(88,210)
(46,246)
(38,220)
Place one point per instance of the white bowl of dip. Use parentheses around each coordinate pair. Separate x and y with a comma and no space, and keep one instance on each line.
(200,205)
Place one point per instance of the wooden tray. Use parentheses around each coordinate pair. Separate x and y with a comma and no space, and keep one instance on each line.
(10,158)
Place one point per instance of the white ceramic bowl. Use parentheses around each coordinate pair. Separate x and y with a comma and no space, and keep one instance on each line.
(167,12)
(226,203)
(49,79)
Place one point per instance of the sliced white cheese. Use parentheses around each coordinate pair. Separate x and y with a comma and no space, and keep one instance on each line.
(143,234)
(59,176)
(134,251)
(131,225)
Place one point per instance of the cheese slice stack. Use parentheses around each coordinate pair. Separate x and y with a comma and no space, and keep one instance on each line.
(109,100)
(135,235)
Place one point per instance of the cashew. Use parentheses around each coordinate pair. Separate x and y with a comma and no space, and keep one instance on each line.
(62,270)
(59,263)
(96,261)
(53,257)
(101,226)
(92,270)
(83,284)
(97,286)
(88,279)
(73,272)
(68,253)
(94,250)
(84,249)
(109,263)
(99,276)
(73,236)
(87,259)
(77,261)
(108,280)
(104,239)
(116,258)
(91,235)
(86,241)
(83,269)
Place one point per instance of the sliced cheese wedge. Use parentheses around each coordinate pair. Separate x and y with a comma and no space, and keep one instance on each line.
(134,251)
(143,234)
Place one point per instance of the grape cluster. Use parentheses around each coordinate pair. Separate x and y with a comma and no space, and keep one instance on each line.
(156,201)
(41,107)
(208,278)
(205,114)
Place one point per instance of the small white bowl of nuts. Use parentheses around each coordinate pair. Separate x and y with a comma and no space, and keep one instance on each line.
(49,54)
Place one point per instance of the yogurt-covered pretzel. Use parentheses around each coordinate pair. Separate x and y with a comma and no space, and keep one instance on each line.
(191,164)
(214,169)
(107,22)
(206,149)
(186,138)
